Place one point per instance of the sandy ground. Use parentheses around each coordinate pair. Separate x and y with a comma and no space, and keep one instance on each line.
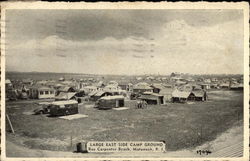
(231,138)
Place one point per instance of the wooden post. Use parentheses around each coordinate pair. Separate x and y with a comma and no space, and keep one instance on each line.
(201,134)
(71,140)
(12,129)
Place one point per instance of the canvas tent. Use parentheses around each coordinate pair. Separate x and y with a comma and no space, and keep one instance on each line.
(97,95)
(66,89)
(65,96)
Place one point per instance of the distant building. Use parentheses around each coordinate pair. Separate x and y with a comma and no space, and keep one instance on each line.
(157,87)
(142,87)
(27,81)
(89,89)
(205,86)
(8,85)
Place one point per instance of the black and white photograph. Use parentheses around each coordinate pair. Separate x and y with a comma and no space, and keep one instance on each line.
(107,82)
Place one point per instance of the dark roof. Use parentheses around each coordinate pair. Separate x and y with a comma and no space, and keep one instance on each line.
(65,95)
(198,93)
(148,97)
(64,88)
(158,86)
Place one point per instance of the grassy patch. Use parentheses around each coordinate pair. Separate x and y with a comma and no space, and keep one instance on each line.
(180,125)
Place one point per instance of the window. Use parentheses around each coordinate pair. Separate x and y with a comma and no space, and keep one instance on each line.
(51,92)
(46,92)
(41,92)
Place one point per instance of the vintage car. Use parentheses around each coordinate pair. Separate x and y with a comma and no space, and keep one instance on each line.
(44,108)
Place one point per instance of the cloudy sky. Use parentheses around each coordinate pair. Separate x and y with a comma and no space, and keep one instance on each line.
(125,41)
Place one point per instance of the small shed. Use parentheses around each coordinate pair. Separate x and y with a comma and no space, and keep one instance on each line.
(152,98)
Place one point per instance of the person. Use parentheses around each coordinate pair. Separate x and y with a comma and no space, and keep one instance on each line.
(145,104)
(138,104)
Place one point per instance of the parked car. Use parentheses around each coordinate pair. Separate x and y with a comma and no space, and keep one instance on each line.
(44,108)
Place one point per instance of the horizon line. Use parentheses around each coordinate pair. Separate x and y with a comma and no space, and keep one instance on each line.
(121,74)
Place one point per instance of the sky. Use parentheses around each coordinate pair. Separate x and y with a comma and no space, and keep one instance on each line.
(130,42)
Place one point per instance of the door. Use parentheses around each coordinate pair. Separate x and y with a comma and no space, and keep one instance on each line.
(117,103)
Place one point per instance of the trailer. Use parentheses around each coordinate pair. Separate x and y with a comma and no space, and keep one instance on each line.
(62,108)
(109,102)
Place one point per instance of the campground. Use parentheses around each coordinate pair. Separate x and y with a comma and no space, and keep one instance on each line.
(182,126)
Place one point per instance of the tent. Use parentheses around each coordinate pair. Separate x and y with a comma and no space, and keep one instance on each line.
(65,96)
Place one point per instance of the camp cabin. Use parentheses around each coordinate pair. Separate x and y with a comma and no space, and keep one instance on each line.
(61,108)
(109,102)
(184,96)
(36,92)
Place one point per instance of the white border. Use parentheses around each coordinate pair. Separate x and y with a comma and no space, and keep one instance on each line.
(130,5)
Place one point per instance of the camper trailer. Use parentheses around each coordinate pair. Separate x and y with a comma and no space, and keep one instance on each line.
(109,102)
(61,108)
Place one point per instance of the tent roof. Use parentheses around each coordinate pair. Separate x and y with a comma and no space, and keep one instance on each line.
(65,95)
(181,94)
(64,88)
(198,93)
